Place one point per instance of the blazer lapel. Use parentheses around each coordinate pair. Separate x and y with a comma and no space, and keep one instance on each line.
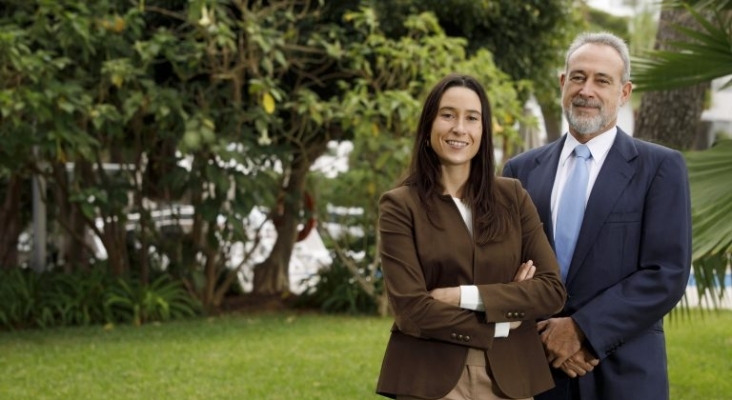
(541,183)
(616,173)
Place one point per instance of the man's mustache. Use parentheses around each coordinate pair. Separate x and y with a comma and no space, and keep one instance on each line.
(582,102)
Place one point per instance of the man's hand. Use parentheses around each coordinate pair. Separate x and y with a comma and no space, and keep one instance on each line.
(580,363)
(562,338)
(450,295)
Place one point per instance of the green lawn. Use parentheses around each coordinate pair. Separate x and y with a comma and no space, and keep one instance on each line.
(273,356)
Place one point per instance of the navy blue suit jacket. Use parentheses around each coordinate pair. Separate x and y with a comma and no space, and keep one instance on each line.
(631,263)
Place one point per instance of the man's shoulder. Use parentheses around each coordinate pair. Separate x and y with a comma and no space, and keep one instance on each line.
(649,147)
(656,153)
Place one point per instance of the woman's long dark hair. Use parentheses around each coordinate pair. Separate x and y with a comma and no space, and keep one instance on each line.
(490,217)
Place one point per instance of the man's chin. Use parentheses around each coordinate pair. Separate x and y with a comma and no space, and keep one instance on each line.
(586,130)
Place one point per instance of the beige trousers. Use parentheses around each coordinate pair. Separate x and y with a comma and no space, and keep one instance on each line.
(474,383)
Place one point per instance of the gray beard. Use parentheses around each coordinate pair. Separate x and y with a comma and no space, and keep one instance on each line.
(585,125)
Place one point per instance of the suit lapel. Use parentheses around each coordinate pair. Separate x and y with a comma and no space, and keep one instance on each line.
(616,173)
(541,182)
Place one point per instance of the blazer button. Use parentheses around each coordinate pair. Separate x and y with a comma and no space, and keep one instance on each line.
(522,314)
(460,337)
(467,338)
(453,335)
(509,315)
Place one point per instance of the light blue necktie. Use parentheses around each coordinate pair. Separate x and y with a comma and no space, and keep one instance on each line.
(571,209)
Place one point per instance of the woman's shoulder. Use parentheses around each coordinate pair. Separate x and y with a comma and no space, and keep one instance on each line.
(508,187)
(399,192)
(510,192)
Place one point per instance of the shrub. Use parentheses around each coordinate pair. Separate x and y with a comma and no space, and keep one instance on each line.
(335,290)
(32,300)
(161,300)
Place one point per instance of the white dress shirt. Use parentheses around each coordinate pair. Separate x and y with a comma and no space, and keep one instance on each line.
(599,147)
(469,294)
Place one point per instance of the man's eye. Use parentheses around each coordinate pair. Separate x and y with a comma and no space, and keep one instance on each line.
(577,79)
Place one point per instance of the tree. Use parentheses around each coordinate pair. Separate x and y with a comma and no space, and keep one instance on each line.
(87,84)
(398,77)
(527,39)
(705,55)
(212,107)
(672,117)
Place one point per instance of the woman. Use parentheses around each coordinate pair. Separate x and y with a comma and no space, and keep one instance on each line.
(453,239)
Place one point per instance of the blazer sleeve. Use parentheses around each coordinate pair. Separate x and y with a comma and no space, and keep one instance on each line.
(531,299)
(642,298)
(416,312)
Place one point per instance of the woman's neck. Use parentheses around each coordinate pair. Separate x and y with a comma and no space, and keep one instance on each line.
(453,180)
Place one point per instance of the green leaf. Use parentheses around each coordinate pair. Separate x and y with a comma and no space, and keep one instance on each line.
(706,56)
(710,174)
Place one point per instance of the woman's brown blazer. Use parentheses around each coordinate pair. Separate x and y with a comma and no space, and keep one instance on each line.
(429,342)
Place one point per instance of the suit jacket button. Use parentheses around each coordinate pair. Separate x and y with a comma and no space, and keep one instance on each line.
(522,314)
(467,338)
(453,335)
(509,315)
(460,337)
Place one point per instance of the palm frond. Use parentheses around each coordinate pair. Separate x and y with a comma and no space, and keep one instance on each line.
(700,4)
(706,56)
(710,177)
(710,275)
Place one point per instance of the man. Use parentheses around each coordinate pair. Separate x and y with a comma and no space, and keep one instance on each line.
(623,241)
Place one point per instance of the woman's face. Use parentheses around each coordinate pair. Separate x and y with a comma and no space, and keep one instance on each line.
(457,128)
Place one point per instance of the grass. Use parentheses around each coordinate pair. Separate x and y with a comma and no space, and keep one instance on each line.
(273,357)
(700,356)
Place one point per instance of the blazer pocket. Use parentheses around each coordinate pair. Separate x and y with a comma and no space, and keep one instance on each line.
(618,217)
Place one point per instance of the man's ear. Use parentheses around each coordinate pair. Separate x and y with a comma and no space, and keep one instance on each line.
(625,92)
(562,78)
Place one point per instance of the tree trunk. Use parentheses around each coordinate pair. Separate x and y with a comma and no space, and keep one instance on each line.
(272,275)
(11,222)
(552,121)
(113,233)
(73,251)
(671,117)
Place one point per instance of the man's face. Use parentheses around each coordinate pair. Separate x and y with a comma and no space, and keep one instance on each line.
(592,90)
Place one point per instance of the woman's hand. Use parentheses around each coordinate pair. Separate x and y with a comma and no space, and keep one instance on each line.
(525,271)
(449,295)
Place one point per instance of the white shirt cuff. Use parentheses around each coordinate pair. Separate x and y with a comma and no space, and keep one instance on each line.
(470,298)
(502,329)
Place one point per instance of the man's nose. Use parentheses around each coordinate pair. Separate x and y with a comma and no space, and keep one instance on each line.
(588,89)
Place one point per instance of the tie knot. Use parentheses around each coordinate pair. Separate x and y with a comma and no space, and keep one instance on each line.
(582,151)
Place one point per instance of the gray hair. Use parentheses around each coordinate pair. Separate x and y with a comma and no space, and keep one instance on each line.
(603,38)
